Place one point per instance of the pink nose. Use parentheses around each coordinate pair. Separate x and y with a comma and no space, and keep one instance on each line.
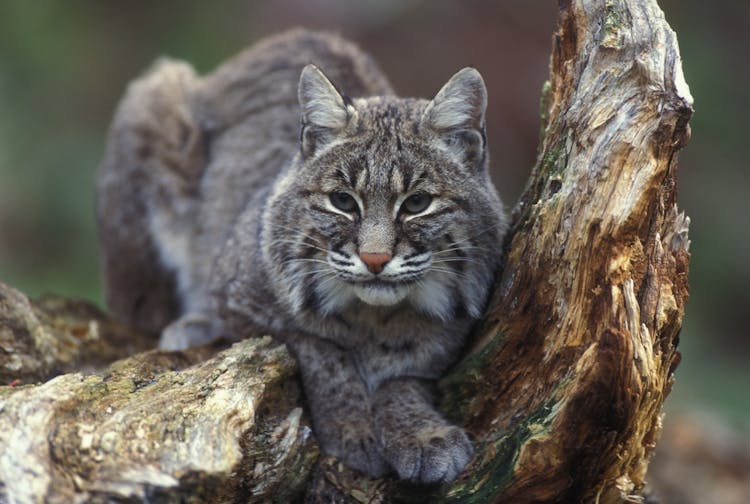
(375,262)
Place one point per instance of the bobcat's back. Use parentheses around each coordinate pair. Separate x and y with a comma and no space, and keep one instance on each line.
(186,154)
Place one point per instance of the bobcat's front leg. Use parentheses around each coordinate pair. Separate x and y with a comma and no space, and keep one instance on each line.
(339,404)
(418,442)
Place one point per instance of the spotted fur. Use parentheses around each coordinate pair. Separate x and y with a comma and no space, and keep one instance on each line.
(367,240)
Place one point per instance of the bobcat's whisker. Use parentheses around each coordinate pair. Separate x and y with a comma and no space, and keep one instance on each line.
(449,270)
(301,244)
(303,260)
(462,249)
(456,260)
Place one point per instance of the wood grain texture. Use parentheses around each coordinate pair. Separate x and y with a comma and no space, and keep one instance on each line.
(576,356)
(45,337)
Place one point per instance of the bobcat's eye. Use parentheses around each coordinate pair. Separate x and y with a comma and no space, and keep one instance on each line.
(416,203)
(343,201)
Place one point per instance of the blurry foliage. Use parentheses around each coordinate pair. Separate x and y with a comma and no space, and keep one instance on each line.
(64,65)
(62,68)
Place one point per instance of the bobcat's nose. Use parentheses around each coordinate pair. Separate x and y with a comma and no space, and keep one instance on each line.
(375,262)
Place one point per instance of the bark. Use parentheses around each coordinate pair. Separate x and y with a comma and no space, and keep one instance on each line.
(53,335)
(160,426)
(562,389)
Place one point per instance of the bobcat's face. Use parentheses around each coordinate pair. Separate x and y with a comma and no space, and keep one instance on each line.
(388,210)
(395,228)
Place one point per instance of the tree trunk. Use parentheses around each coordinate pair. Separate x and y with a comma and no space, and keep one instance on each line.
(562,390)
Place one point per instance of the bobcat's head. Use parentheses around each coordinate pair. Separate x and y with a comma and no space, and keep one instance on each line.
(388,202)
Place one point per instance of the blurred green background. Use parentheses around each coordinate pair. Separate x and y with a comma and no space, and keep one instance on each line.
(64,65)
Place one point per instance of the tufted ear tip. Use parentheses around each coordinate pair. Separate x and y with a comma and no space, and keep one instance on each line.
(456,115)
(325,111)
(321,103)
(460,104)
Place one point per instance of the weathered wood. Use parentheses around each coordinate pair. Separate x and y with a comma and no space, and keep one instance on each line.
(577,353)
(51,335)
(562,389)
(160,426)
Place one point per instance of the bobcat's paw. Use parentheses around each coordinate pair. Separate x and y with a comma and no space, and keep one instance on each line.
(355,445)
(437,453)
(185,332)
(364,455)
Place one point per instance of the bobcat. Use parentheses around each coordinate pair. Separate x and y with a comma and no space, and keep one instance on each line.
(365,238)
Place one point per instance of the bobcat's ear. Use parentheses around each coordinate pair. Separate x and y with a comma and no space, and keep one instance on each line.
(456,114)
(325,111)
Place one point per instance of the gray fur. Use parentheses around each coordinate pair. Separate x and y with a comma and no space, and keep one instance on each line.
(221,201)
